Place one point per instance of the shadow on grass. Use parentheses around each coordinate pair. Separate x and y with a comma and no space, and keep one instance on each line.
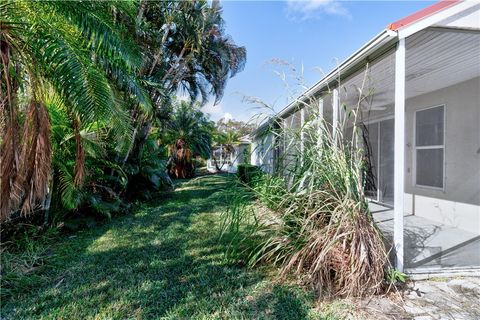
(164,261)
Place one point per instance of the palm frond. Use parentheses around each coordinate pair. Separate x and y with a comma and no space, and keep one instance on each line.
(95,21)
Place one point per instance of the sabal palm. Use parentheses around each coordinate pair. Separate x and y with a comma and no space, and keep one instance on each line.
(76,51)
(225,141)
(188,134)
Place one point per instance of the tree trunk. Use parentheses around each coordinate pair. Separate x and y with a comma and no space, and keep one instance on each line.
(48,200)
(215,162)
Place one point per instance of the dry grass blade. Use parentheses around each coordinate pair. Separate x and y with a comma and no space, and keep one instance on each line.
(37,162)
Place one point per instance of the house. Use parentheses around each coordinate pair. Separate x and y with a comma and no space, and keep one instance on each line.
(422,126)
(228,157)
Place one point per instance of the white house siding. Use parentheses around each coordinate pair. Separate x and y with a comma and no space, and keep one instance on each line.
(240,154)
(262,151)
(254,153)
(459,203)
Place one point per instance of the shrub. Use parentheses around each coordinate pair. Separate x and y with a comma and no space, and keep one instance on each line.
(247,173)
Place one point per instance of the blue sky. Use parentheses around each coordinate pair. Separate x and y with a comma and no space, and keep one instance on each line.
(312,33)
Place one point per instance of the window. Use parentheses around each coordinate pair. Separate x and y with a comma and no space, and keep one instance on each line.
(430,147)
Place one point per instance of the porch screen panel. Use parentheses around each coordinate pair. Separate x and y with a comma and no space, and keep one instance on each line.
(442,137)
(370,141)
(429,127)
(386,162)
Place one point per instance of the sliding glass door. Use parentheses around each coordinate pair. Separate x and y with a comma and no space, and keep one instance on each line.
(379,149)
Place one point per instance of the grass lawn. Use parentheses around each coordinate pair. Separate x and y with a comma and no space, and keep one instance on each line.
(163,261)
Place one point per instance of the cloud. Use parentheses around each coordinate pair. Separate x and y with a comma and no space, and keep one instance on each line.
(212,109)
(227,116)
(301,10)
(216,112)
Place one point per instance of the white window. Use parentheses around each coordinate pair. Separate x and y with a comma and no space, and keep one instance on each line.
(430,147)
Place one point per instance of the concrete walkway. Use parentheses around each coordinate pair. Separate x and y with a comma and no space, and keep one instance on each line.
(454,299)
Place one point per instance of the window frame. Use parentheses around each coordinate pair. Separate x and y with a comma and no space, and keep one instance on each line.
(430,147)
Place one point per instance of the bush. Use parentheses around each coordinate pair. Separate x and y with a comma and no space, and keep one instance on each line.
(247,173)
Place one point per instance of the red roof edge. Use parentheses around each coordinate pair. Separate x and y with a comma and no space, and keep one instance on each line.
(428,11)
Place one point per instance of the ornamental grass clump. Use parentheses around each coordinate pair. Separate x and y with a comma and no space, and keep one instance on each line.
(318,225)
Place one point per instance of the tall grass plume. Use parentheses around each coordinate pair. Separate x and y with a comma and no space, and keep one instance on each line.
(310,216)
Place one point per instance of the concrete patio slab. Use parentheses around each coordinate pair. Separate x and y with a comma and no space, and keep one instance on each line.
(430,245)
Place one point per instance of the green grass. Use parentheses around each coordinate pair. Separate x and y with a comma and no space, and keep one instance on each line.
(162,262)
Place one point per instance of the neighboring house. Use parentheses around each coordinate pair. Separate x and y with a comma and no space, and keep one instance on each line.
(422,125)
(263,149)
(228,158)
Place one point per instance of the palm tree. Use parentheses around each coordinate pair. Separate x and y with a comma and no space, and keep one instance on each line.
(225,141)
(185,49)
(188,135)
(59,48)
(100,66)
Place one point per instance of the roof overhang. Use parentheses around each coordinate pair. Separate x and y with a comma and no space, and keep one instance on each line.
(264,127)
(374,48)
(421,14)
(430,16)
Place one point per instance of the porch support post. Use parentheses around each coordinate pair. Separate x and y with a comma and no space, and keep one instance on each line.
(302,134)
(320,123)
(399,154)
(335,113)
(253,153)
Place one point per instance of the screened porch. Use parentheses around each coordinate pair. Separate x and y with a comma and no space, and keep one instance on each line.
(438,101)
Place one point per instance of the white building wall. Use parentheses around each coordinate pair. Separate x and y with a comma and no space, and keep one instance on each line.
(254,153)
(262,152)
